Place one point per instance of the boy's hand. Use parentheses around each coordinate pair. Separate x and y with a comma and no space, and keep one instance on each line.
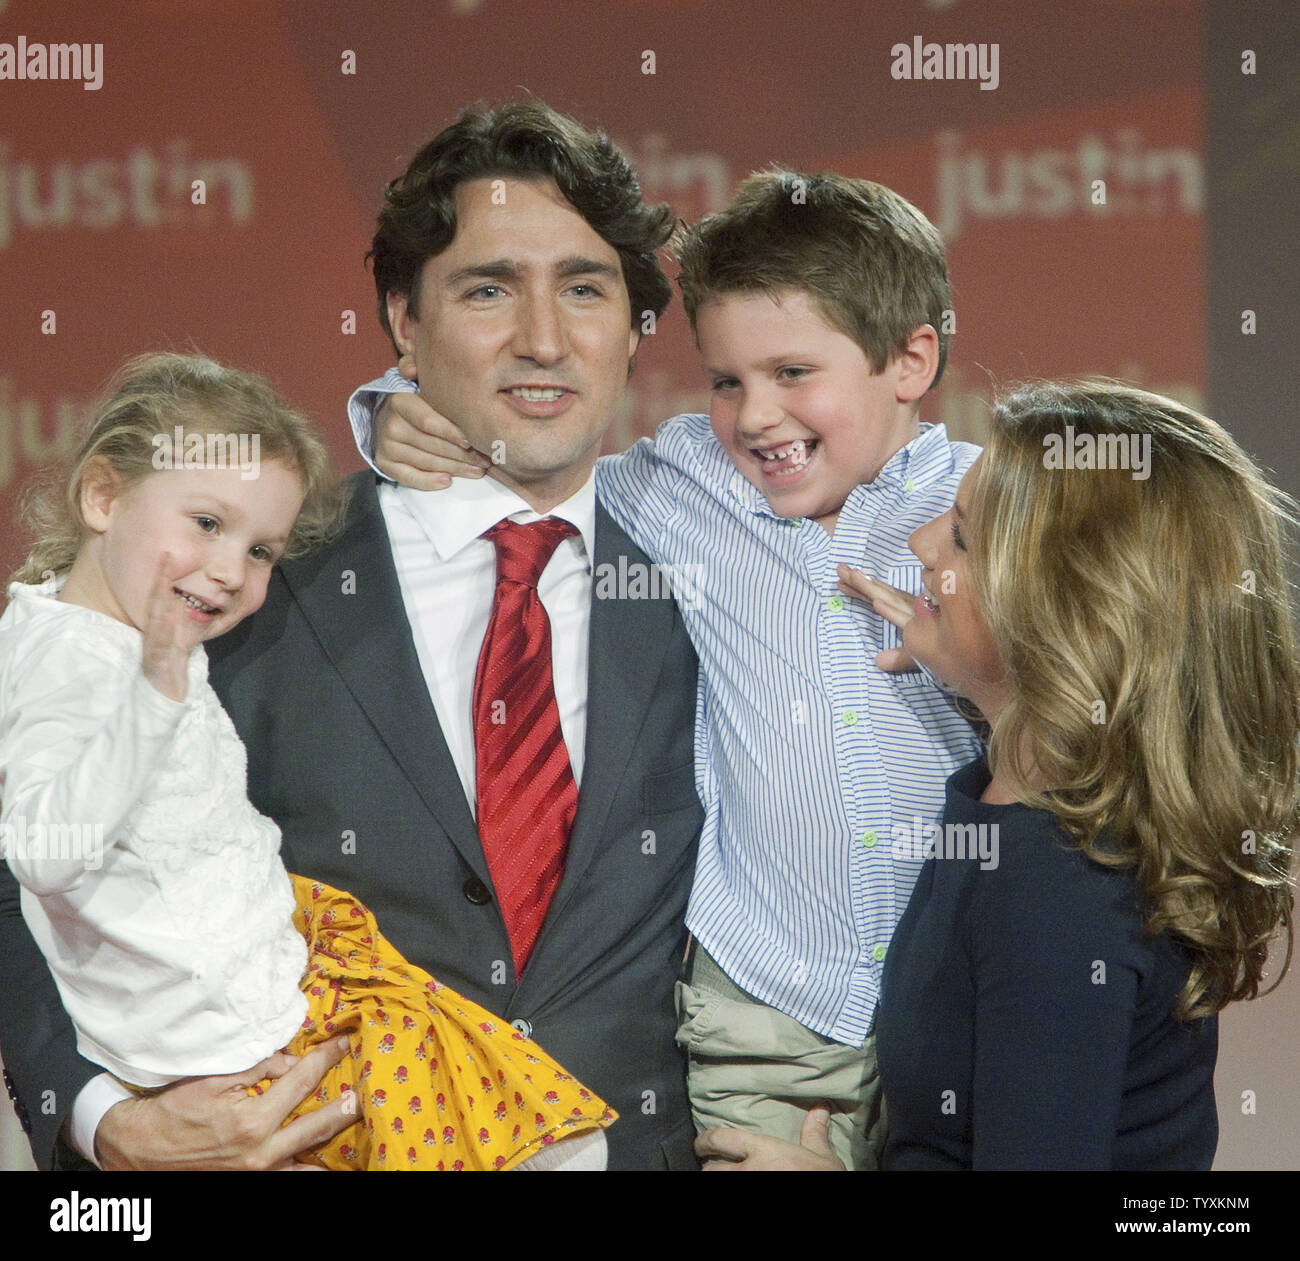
(727,1150)
(169,636)
(894,605)
(421,448)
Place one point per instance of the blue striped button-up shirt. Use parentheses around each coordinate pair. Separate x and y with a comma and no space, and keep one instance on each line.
(808,757)
(817,770)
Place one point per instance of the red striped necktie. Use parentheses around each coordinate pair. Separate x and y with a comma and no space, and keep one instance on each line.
(527,796)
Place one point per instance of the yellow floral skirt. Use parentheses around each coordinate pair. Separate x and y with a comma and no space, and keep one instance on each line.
(440,1082)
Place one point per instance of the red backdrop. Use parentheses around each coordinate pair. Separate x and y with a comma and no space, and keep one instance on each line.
(97,225)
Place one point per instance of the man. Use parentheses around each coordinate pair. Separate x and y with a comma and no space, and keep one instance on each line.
(379,723)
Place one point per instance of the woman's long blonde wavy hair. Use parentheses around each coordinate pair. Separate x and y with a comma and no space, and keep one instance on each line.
(1147,630)
(151,395)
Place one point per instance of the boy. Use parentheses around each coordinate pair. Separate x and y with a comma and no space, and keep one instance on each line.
(818,304)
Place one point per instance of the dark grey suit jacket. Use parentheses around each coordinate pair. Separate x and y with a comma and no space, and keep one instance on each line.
(345,753)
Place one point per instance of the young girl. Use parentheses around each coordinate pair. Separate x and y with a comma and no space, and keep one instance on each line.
(1130,640)
(180,946)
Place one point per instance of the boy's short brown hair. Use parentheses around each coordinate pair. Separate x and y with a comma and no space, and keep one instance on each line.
(874,264)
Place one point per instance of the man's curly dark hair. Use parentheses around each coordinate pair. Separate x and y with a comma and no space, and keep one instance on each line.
(524,139)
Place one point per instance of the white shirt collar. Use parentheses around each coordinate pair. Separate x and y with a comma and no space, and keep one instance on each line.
(453,518)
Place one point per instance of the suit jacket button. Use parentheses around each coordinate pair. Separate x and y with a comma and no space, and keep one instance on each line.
(477,892)
(524,1026)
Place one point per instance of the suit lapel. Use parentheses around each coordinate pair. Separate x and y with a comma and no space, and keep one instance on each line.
(367,638)
(628,640)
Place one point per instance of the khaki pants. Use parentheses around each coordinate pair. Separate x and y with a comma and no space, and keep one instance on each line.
(755,1068)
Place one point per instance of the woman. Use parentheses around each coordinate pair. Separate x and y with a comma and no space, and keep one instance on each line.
(1110,875)
(1130,643)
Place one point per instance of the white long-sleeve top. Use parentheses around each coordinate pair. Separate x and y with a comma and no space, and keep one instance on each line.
(152,886)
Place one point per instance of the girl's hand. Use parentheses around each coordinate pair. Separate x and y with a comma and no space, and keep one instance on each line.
(894,605)
(169,636)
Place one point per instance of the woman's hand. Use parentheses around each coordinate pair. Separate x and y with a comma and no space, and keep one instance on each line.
(893,604)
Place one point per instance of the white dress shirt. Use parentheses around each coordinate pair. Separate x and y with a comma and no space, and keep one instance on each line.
(152,886)
(447,573)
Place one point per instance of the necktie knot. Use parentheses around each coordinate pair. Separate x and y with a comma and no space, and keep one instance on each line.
(523,551)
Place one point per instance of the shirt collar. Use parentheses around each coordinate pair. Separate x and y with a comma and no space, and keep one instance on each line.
(453,518)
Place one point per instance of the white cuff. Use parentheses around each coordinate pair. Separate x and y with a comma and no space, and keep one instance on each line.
(361,408)
(96,1097)
(587,1152)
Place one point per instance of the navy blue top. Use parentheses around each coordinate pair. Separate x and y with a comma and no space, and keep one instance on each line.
(1025,1022)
